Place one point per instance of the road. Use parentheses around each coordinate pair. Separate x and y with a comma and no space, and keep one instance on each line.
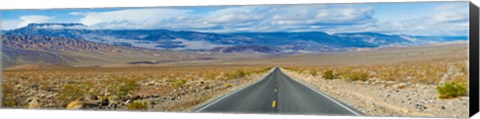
(278,93)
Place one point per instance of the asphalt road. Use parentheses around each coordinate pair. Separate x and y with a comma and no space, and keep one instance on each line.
(278,93)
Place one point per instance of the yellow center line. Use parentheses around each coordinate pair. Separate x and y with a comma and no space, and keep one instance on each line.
(273,104)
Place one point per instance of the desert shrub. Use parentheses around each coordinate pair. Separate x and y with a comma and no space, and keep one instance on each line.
(228,85)
(74,105)
(357,76)
(8,95)
(236,74)
(452,90)
(210,76)
(387,75)
(261,70)
(121,87)
(291,69)
(313,72)
(137,105)
(240,73)
(344,76)
(71,92)
(328,74)
(267,69)
(179,83)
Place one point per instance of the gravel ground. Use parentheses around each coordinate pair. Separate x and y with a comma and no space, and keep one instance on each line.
(387,98)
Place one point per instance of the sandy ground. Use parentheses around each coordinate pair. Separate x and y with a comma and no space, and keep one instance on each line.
(380,98)
(154,89)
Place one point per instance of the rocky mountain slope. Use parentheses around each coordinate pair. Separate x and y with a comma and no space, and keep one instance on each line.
(245,49)
(75,44)
(286,42)
(60,50)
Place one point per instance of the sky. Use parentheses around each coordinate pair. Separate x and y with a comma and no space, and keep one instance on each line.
(419,18)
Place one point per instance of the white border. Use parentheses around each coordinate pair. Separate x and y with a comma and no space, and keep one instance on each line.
(45,4)
(62,114)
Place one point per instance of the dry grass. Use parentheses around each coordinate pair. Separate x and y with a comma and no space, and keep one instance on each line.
(72,92)
(449,74)
(328,74)
(137,105)
(425,72)
(370,57)
(74,105)
(8,95)
(62,86)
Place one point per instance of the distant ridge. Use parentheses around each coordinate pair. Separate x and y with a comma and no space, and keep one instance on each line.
(245,49)
(32,25)
(39,66)
(284,42)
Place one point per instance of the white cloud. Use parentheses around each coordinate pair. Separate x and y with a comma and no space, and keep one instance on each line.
(197,45)
(33,19)
(236,14)
(448,19)
(288,17)
(233,19)
(77,13)
(145,18)
(451,13)
(57,26)
(323,15)
(9,24)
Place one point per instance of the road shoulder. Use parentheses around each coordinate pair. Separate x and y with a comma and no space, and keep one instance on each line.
(381,100)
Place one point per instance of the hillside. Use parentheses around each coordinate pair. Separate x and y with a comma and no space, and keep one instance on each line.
(285,42)
(245,49)
(38,66)
(451,50)
(19,50)
(74,44)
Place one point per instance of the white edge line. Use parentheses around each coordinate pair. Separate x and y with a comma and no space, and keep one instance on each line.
(328,97)
(225,96)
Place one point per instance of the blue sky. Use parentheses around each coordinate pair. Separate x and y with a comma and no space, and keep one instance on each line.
(421,18)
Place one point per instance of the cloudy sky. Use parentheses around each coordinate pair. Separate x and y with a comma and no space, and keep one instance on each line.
(423,18)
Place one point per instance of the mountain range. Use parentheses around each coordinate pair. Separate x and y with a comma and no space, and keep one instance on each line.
(275,42)
(75,44)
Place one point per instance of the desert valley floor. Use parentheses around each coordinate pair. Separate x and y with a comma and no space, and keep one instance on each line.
(400,81)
